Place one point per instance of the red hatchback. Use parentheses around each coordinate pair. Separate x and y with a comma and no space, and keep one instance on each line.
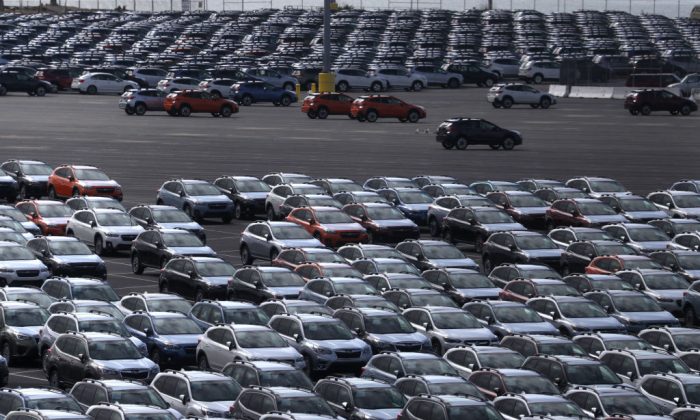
(321,105)
(372,107)
(610,264)
(329,225)
(187,102)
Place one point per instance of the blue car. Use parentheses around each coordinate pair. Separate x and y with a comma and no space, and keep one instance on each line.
(247,93)
(412,202)
(171,337)
(199,199)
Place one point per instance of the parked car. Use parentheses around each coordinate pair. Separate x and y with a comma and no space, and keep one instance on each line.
(632,308)
(400,77)
(347,79)
(170,338)
(14,81)
(71,180)
(539,71)
(462,132)
(154,248)
(31,176)
(687,84)
(96,83)
(176,84)
(473,72)
(265,240)
(197,278)
(105,230)
(166,217)
(272,77)
(199,199)
(437,76)
(65,256)
(204,394)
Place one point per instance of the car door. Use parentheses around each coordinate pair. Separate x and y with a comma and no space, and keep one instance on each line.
(177,277)
(147,248)
(80,225)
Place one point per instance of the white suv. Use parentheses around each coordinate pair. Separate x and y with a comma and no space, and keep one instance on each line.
(399,77)
(346,79)
(19,267)
(104,229)
(539,71)
(508,95)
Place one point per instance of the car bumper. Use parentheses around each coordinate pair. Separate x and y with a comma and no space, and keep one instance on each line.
(253,207)
(107,192)
(209,211)
(24,277)
(441,138)
(9,190)
(56,230)
(673,306)
(35,189)
(26,348)
(78,270)
(122,242)
(179,356)
(342,238)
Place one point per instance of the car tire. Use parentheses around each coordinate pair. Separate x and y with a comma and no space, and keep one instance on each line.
(534,106)
(646,110)
(237,211)
(495,146)
(3,90)
(565,270)
(549,225)
(453,84)
(462,143)
(507,102)
(271,216)
(489,83)
(496,104)
(6,352)
(487,265)
(545,102)
(75,192)
(437,347)
(136,265)
(360,118)
(434,227)
(163,262)
(288,86)
(273,254)
(285,100)
(140,109)
(92,90)
(247,100)
(203,362)
(155,356)
(413,116)
(342,86)
(99,246)
(40,91)
(53,379)
(685,110)
(246,258)
(312,114)
(23,192)
(198,295)
(163,287)
(322,112)
(226,111)
(52,193)
(448,145)
(634,111)
(371,116)
(375,87)
(508,143)
(308,367)
(185,111)
(479,244)
(417,86)
(690,318)
(537,79)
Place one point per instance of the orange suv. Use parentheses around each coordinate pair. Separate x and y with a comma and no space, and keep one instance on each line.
(74,180)
(321,105)
(187,102)
(51,216)
(371,107)
(329,225)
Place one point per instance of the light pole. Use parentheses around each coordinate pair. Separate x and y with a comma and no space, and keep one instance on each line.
(325,78)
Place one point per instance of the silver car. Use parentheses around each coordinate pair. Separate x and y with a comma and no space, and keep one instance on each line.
(142,100)
(439,77)
(223,344)
(196,393)
(265,240)
(279,193)
(18,266)
(104,229)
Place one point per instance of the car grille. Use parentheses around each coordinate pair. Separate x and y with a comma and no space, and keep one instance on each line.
(27,273)
(477,343)
(348,354)
(190,350)
(128,237)
(135,373)
(84,266)
(408,346)
(104,190)
(217,206)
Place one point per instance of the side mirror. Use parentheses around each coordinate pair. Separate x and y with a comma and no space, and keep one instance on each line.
(632,376)
(671,206)
(149,220)
(83,358)
(513,247)
(191,274)
(608,309)
(397,373)
(557,381)
(364,218)
(148,332)
(554,315)
(360,332)
(472,222)
(182,193)
(93,223)
(258,284)
(312,221)
(184,399)
(623,238)
(33,215)
(677,400)
(347,407)
(427,326)
(673,266)
(268,237)
(71,178)
(230,345)
(298,338)
(488,319)
(159,244)
(497,390)
(45,252)
(576,213)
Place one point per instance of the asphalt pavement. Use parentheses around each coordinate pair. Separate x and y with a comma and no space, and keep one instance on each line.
(574,137)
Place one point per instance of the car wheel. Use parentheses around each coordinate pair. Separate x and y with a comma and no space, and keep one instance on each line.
(537,79)
(199,295)
(488,83)
(646,110)
(246,258)
(140,109)
(52,194)
(54,381)
(549,225)
(237,211)
(634,111)
(690,319)
(462,143)
(273,254)
(75,192)
(247,100)
(202,362)
(92,90)
(343,86)
(534,106)
(376,87)
(413,116)
(685,110)
(215,114)
(188,209)
(3,90)
(136,265)
(453,84)
(40,91)
(437,347)
(507,102)
(308,367)
(312,114)
(23,191)
(434,227)
(226,111)
(271,216)
(185,111)
(448,144)
(417,86)
(545,102)
(371,116)
(496,104)
(285,100)
(163,287)
(360,118)
(488,266)
(323,113)
(99,246)
(508,143)
(370,237)
(495,146)
(7,353)
(155,356)
(163,262)
(288,86)
(479,244)
(673,112)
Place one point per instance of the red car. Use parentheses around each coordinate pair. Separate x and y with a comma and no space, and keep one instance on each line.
(610,264)
(372,107)
(51,216)
(321,105)
(292,258)
(187,102)
(585,212)
(61,78)
(70,180)
(313,270)
(329,225)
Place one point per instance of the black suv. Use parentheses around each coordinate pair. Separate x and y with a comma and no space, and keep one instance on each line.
(267,373)
(520,247)
(359,397)
(258,284)
(580,253)
(568,371)
(648,100)
(196,277)
(472,72)
(16,81)
(473,225)
(535,345)
(31,175)
(461,132)
(247,193)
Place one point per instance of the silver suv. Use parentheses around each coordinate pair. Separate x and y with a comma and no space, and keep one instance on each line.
(142,100)
(196,393)
(105,229)
(128,412)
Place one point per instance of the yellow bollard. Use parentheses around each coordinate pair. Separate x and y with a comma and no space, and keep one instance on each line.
(313,87)
(326,82)
(297,90)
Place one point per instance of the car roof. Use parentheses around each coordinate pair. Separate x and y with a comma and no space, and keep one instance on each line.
(365,383)
(268,365)
(517,372)
(249,327)
(166,315)
(120,384)
(77,280)
(103,211)
(316,318)
(437,309)
(60,238)
(36,392)
(290,392)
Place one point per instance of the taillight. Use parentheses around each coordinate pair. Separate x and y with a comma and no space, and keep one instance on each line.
(232,408)
(132,97)
(81,80)
(167,84)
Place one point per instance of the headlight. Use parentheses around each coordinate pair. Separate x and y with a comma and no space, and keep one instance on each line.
(22,337)
(171,347)
(107,371)
(6,270)
(453,340)
(321,350)
(112,235)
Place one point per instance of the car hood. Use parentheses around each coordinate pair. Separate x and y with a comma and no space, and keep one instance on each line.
(210,199)
(37,178)
(652,245)
(32,331)
(596,323)
(395,223)
(91,184)
(648,317)
(354,344)
(71,259)
(120,364)
(343,226)
(286,291)
(217,406)
(122,230)
(415,207)
(381,414)
(607,218)
(492,227)
(30,226)
(544,253)
(55,220)
(192,250)
(181,339)
(470,334)
(254,195)
(274,353)
(415,337)
(659,214)
(300,243)
(218,280)
(191,226)
(531,328)
(693,273)
(7,178)
(675,294)
(691,211)
(531,211)
(23,264)
(454,262)
(484,292)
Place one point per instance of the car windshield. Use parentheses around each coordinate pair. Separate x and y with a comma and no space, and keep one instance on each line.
(368,197)
(251,186)
(200,189)
(686,342)
(637,303)
(249,316)
(259,339)
(632,343)
(290,232)
(288,378)
(400,183)
(215,269)
(540,273)
(516,314)
(61,403)
(170,216)
(215,390)
(384,213)
(54,210)
(687,201)
(37,296)
(692,392)
(25,317)
(689,262)
(355,288)
(607,186)
(170,326)
(330,217)
(455,320)
(397,267)
(184,239)
(428,367)
(378,303)
(630,404)
(595,209)
(476,202)
(113,350)
(611,284)
(106,204)
(669,365)
(307,405)
(559,408)
(455,388)
(382,253)
(327,257)
(169,305)
(14,225)
(642,264)
(151,416)
(115,219)
(90,174)
(433,300)
(472,411)
(13,237)
(562,349)
(111,326)
(15,253)
(409,283)
(637,204)
(341,272)
(582,310)
(492,217)
(13,213)
(325,202)
(470,281)
(457,190)
(309,189)
(414,197)
(326,331)
(345,186)
(442,252)
(142,396)
(591,374)
(530,385)
(69,248)
(528,242)
(388,324)
(600,235)
(665,281)
(36,169)
(308,309)
(376,398)
(95,292)
(615,249)
(526,201)
(501,360)
(556,290)
(647,234)
(282,279)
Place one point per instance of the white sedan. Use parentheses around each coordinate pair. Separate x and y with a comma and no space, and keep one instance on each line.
(94,83)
